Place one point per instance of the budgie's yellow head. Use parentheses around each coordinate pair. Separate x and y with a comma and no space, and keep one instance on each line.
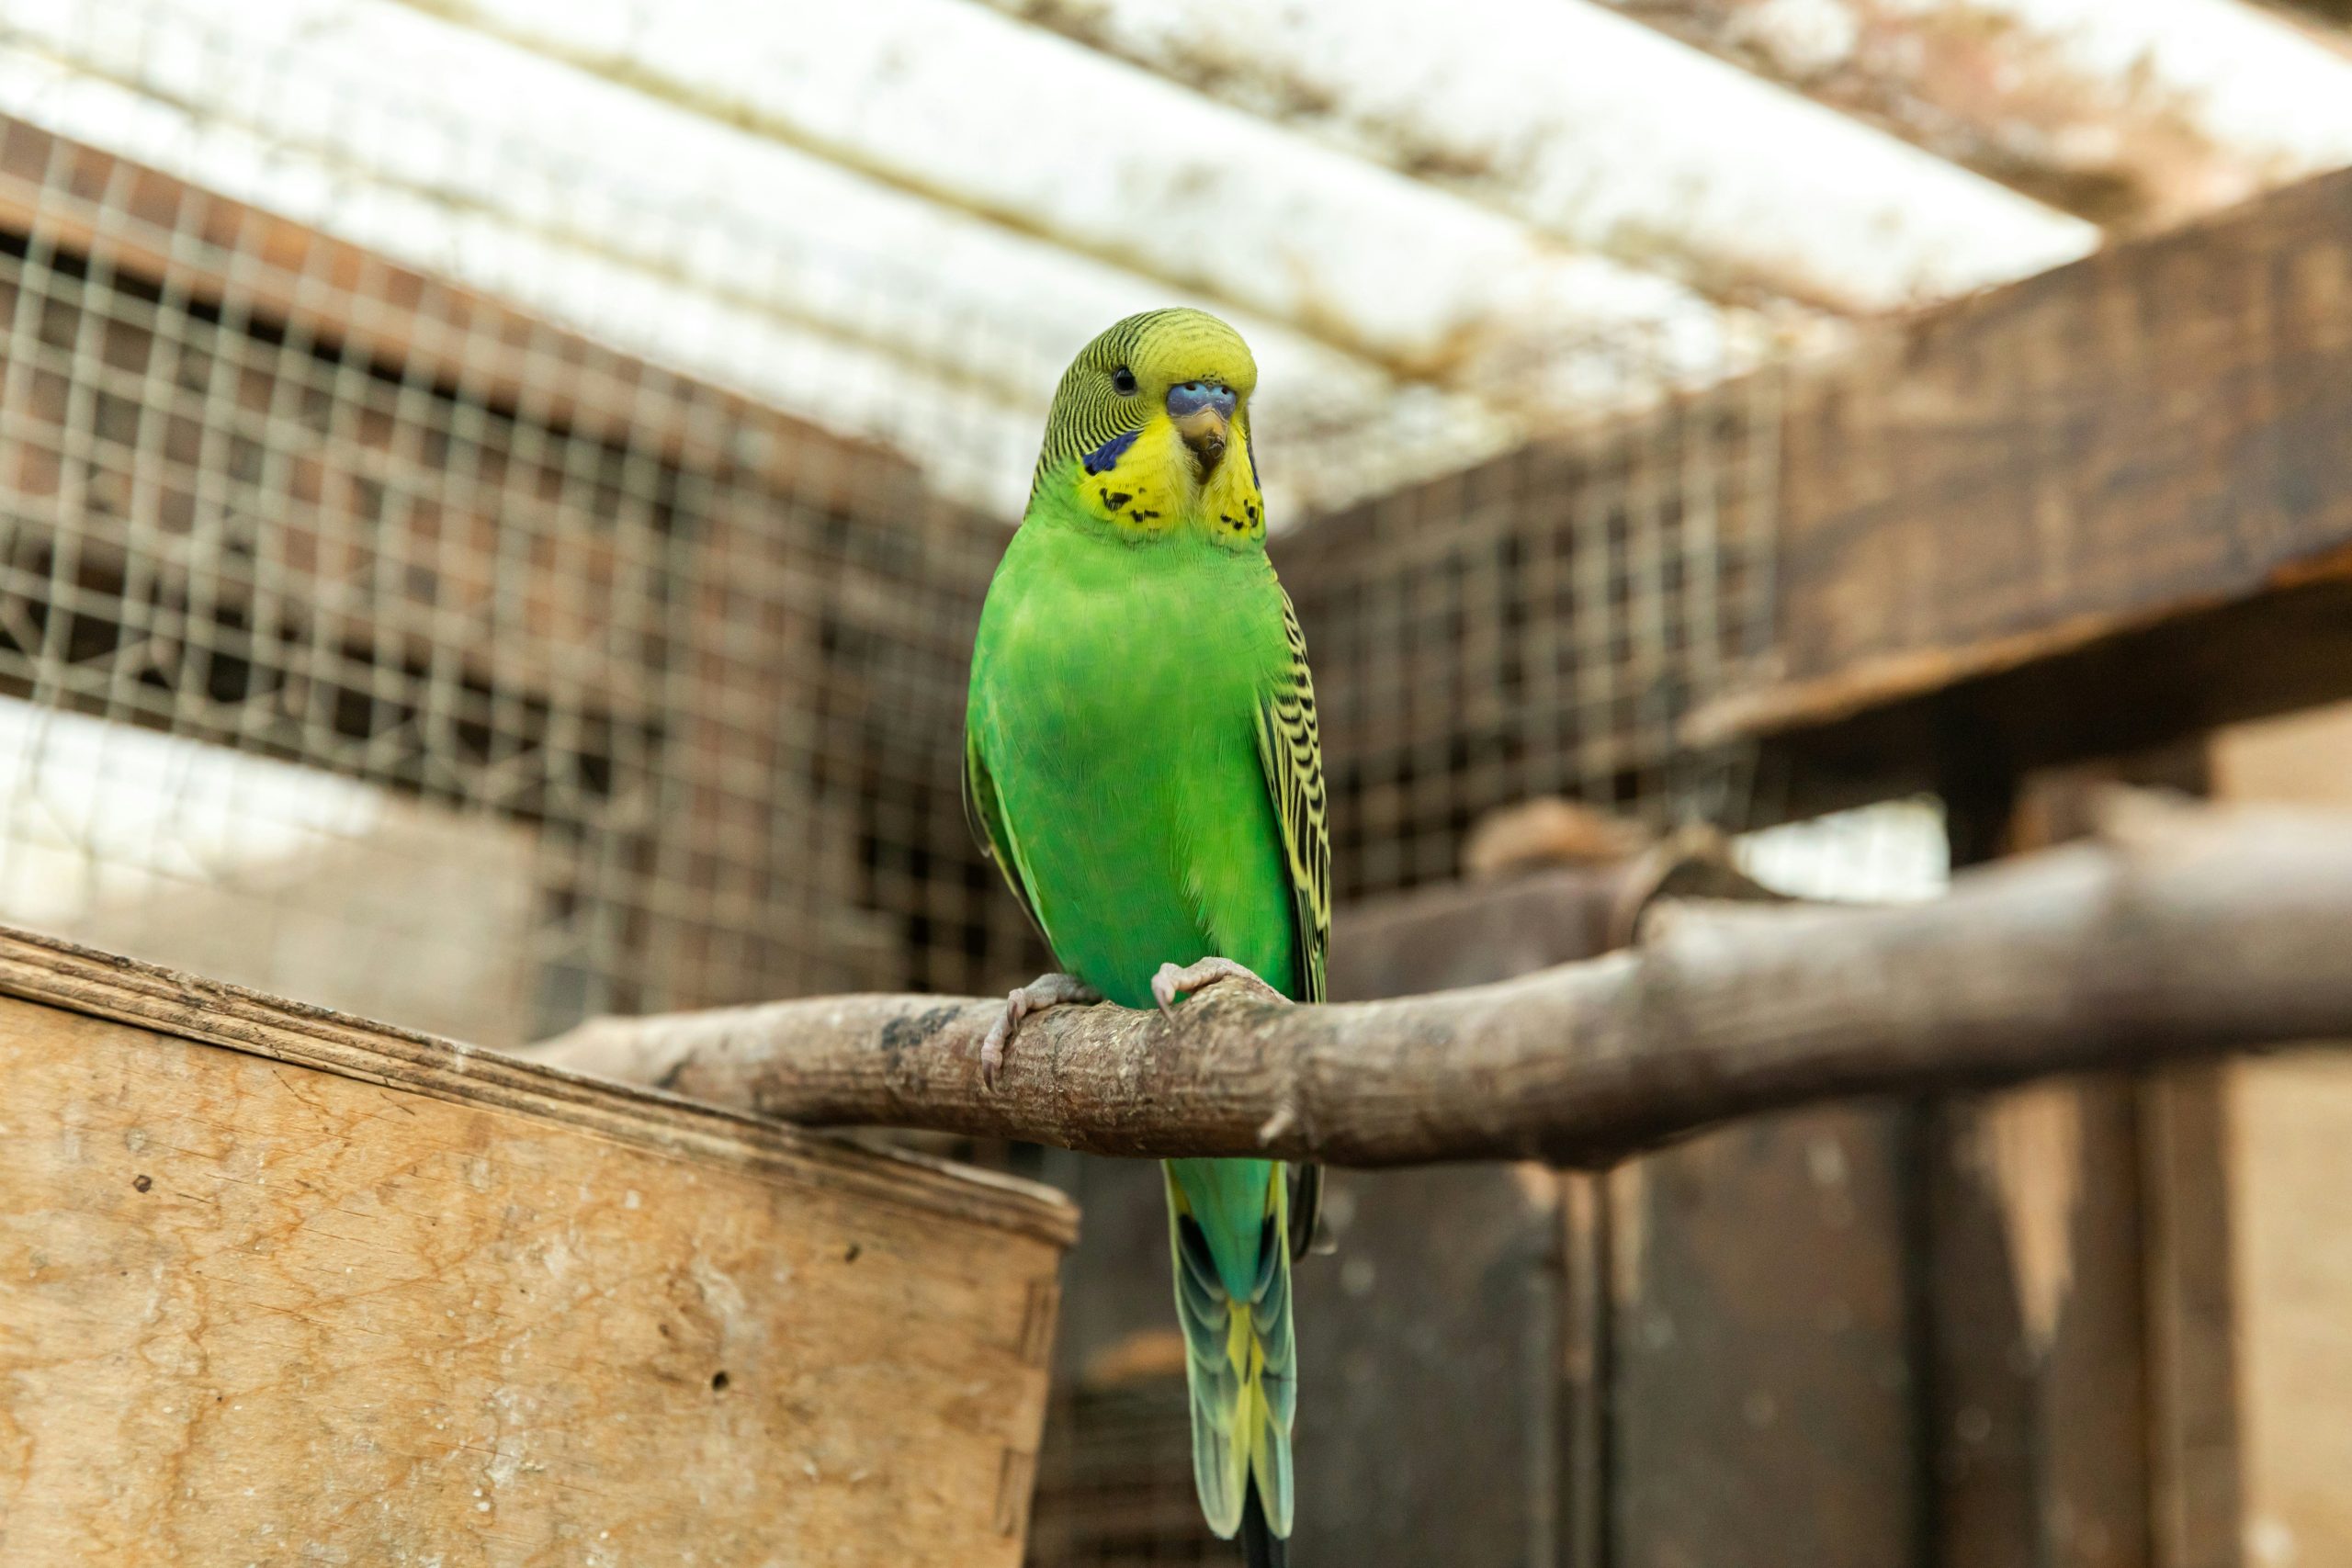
(1150,431)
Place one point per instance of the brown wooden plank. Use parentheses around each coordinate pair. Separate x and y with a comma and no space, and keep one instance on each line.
(2287,1134)
(1457,934)
(1587,1357)
(148,225)
(79,980)
(2164,424)
(276,1284)
(1702,1382)
(2146,437)
(1445,1306)
(2136,690)
(1761,1398)
(2197,1506)
(2039,1408)
(1429,1417)
(2061,1255)
(2291,1126)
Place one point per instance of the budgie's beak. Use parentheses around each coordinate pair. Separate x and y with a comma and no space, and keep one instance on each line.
(1202,413)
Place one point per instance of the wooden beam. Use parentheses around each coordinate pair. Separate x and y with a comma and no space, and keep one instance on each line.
(1604,134)
(1975,87)
(2335,12)
(2096,510)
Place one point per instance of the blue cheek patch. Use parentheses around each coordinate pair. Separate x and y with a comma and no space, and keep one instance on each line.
(1106,457)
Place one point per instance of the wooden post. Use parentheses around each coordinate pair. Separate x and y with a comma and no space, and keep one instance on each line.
(2287,1128)
(2062,1239)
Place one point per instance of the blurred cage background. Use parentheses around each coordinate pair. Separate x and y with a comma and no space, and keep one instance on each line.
(476,630)
(494,501)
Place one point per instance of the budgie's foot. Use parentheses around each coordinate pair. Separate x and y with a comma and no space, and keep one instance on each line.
(1045,991)
(1175,982)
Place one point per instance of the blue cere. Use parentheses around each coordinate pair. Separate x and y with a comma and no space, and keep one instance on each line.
(1191,396)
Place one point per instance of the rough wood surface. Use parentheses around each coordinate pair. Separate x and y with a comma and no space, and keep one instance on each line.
(2291,1137)
(2065,463)
(340,1296)
(1758,1349)
(2039,1414)
(1967,83)
(2196,1457)
(2287,1130)
(361,303)
(2174,935)
(105,984)
(2043,1284)
(1472,934)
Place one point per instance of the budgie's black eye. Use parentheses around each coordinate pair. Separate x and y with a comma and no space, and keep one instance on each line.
(1123,381)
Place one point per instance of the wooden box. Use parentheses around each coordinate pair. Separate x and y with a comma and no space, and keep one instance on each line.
(280,1286)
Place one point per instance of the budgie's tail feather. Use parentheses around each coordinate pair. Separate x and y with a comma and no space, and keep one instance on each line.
(1228,1232)
(1305,1209)
(1260,1547)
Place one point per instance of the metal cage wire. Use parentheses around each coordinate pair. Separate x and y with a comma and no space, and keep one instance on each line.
(456,637)
(640,693)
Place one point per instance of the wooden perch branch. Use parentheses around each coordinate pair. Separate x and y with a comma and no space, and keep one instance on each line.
(2174,933)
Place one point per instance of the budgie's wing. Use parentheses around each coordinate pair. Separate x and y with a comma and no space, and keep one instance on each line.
(983,815)
(1290,745)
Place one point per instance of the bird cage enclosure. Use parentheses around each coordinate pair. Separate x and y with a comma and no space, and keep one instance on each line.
(1540,623)
(496,501)
(369,580)
(377,641)
(643,675)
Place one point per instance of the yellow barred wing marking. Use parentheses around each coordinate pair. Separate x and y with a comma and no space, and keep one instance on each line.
(1290,746)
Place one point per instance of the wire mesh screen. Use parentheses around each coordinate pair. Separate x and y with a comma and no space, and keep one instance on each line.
(650,692)
(1115,1481)
(415,595)
(652,682)
(1538,625)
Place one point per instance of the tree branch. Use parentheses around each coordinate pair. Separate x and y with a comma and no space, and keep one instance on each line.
(2174,933)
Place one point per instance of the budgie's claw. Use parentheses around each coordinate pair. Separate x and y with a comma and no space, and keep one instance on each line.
(1176,981)
(1045,991)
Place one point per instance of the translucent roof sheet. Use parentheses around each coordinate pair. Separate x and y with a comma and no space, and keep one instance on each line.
(1441,227)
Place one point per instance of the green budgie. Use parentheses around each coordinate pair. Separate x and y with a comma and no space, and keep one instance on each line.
(1140,759)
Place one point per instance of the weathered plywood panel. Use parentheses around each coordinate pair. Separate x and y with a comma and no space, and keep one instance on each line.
(2290,1169)
(1762,1392)
(2039,1386)
(1428,1431)
(408,1304)
(2155,429)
